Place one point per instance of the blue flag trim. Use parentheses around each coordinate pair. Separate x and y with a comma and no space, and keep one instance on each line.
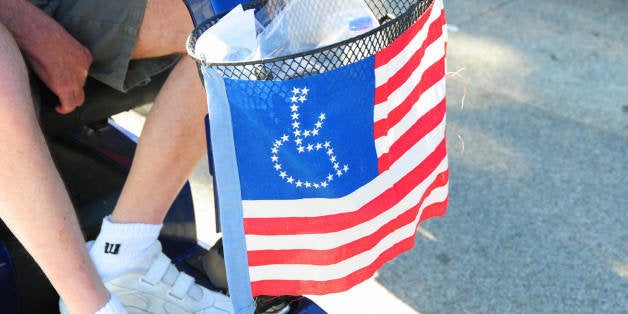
(227,186)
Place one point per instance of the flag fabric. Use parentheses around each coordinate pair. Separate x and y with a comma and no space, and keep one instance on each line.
(336,170)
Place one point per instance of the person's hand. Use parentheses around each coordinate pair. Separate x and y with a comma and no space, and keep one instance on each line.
(63,67)
(59,60)
(62,63)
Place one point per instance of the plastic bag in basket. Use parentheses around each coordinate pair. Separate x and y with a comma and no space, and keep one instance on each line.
(296,26)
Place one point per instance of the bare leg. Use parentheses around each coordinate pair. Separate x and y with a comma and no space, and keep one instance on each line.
(172,141)
(164,29)
(171,145)
(33,201)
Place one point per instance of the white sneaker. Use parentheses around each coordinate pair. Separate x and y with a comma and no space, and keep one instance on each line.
(154,285)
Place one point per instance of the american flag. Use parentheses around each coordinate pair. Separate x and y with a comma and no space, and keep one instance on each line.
(337,170)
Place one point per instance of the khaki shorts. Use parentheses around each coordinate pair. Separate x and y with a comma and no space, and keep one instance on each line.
(108,28)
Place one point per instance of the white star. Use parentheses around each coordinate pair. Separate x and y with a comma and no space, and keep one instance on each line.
(300,95)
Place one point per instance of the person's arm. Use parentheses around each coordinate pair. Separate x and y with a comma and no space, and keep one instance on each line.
(59,60)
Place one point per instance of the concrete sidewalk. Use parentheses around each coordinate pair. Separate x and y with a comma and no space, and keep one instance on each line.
(538,214)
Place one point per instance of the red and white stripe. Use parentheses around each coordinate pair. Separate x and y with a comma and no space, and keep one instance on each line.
(320,246)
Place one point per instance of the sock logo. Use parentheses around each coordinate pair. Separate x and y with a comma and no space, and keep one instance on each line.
(112,248)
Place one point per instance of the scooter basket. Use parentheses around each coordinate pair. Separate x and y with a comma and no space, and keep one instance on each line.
(358,124)
(395,17)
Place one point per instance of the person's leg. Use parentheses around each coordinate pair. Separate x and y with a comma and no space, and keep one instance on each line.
(170,146)
(33,200)
(172,141)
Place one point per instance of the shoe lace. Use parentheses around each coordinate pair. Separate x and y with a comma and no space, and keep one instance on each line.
(180,283)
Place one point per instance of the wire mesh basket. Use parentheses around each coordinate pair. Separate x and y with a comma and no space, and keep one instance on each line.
(354,112)
(394,16)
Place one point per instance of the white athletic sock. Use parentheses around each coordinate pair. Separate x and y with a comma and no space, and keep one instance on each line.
(113,306)
(119,244)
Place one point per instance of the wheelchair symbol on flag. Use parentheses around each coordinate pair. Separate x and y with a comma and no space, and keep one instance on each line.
(306,141)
